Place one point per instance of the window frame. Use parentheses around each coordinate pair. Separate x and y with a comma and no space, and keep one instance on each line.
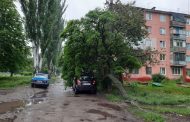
(162,44)
(176,71)
(162,31)
(188,21)
(162,18)
(149,29)
(161,70)
(162,57)
(148,16)
(148,70)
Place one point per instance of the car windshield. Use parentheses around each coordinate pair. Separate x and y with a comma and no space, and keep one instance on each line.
(41,74)
(87,78)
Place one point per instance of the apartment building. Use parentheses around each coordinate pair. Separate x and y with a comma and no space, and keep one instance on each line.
(169,33)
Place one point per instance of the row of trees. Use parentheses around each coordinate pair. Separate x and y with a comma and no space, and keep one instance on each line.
(43,24)
(13,47)
(103,42)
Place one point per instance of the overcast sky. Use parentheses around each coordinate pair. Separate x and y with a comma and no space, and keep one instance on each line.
(78,8)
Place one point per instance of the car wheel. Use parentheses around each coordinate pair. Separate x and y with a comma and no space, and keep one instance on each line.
(32,85)
(94,91)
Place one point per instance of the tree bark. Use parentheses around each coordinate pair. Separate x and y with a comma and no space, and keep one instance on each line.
(11,74)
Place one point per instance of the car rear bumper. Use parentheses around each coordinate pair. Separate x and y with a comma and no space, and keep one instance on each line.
(86,87)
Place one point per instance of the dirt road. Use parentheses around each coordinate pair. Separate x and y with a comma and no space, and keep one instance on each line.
(56,104)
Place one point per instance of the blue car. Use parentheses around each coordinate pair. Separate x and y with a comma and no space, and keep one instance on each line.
(40,79)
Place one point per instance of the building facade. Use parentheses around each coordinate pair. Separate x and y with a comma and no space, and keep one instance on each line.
(169,33)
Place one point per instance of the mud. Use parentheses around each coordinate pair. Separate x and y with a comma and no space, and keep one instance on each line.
(8,119)
(59,105)
(177,118)
(38,98)
(5,92)
(103,113)
(10,106)
(112,106)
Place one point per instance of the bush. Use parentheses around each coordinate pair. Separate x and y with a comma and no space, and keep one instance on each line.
(133,84)
(158,78)
(179,80)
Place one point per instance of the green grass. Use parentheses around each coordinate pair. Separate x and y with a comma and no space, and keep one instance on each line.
(180,110)
(114,96)
(158,101)
(11,82)
(169,94)
(171,98)
(146,115)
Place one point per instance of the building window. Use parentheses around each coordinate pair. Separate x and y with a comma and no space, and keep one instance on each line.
(188,58)
(188,21)
(148,16)
(134,71)
(162,44)
(176,70)
(162,57)
(149,29)
(162,70)
(188,46)
(188,72)
(162,18)
(179,44)
(187,33)
(179,57)
(149,70)
(162,31)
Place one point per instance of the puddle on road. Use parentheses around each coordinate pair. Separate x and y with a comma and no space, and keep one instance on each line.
(88,120)
(37,98)
(8,119)
(41,94)
(10,106)
(103,113)
(5,92)
(91,100)
(112,106)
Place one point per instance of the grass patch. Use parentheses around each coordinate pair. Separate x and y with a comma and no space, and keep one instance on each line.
(11,82)
(180,110)
(159,101)
(147,116)
(169,94)
(114,96)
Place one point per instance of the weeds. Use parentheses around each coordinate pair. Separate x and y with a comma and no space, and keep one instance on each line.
(11,82)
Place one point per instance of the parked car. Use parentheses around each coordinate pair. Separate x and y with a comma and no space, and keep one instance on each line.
(40,79)
(84,83)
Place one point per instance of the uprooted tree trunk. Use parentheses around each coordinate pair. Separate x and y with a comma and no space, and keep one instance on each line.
(118,85)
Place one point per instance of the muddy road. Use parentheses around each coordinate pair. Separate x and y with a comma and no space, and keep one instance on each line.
(55,104)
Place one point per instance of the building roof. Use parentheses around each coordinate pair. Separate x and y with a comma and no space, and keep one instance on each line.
(153,10)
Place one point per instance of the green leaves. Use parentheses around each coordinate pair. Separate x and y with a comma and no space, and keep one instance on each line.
(13,47)
(44,23)
(101,42)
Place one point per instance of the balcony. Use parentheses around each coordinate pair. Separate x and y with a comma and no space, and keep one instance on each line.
(178,31)
(179,37)
(178,49)
(177,24)
(178,63)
